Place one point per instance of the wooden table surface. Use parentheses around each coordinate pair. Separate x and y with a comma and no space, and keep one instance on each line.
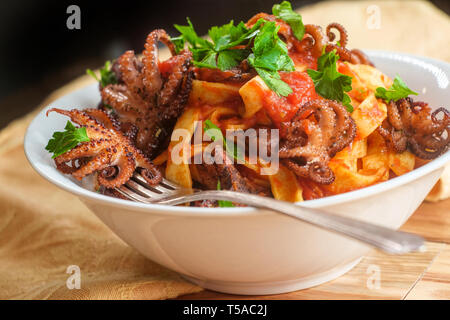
(420,275)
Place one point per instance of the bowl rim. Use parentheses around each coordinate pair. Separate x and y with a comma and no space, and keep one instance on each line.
(365,192)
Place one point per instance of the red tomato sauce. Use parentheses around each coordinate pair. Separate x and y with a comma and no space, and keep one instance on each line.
(281,108)
(302,56)
(166,67)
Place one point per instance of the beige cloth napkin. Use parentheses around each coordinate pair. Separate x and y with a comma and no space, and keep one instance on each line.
(44,230)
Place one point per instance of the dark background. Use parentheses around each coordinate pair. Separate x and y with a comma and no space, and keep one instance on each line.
(39,54)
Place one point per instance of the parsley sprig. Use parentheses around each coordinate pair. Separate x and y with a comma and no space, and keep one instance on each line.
(230,44)
(107,76)
(270,55)
(219,52)
(62,142)
(397,91)
(330,83)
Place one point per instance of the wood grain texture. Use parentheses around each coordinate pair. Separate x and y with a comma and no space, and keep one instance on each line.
(435,283)
(397,276)
(432,221)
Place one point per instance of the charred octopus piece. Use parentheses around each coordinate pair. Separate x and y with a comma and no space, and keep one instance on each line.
(412,124)
(315,39)
(343,36)
(319,130)
(339,46)
(108,152)
(227,173)
(239,74)
(354,56)
(147,98)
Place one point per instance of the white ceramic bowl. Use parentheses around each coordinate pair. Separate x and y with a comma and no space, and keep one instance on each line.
(247,250)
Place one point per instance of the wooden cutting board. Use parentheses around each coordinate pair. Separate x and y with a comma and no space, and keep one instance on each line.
(420,275)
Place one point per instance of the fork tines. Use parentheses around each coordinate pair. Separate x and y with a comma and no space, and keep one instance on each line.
(138,189)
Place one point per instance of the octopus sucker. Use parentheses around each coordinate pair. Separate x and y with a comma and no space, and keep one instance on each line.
(328,129)
(174,95)
(410,124)
(130,68)
(152,78)
(343,36)
(344,53)
(347,130)
(316,38)
(354,56)
(107,151)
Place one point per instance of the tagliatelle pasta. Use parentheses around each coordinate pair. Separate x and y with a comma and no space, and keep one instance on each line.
(364,162)
(369,115)
(252,94)
(285,186)
(178,170)
(212,92)
(401,163)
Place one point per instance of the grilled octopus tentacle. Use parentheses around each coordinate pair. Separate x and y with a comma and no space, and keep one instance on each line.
(175,79)
(412,124)
(343,38)
(329,129)
(152,76)
(108,152)
(319,39)
(147,99)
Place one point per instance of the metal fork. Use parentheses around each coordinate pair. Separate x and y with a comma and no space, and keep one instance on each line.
(388,240)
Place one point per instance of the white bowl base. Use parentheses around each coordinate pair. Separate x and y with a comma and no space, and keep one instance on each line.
(266,288)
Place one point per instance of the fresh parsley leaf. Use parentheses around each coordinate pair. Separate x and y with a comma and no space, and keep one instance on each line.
(62,142)
(269,51)
(220,52)
(107,76)
(284,12)
(228,59)
(330,83)
(397,91)
(92,74)
(229,35)
(231,44)
(189,35)
(223,203)
(178,42)
(270,55)
(225,35)
(232,149)
(209,61)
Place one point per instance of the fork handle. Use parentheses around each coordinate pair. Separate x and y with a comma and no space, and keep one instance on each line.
(386,239)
